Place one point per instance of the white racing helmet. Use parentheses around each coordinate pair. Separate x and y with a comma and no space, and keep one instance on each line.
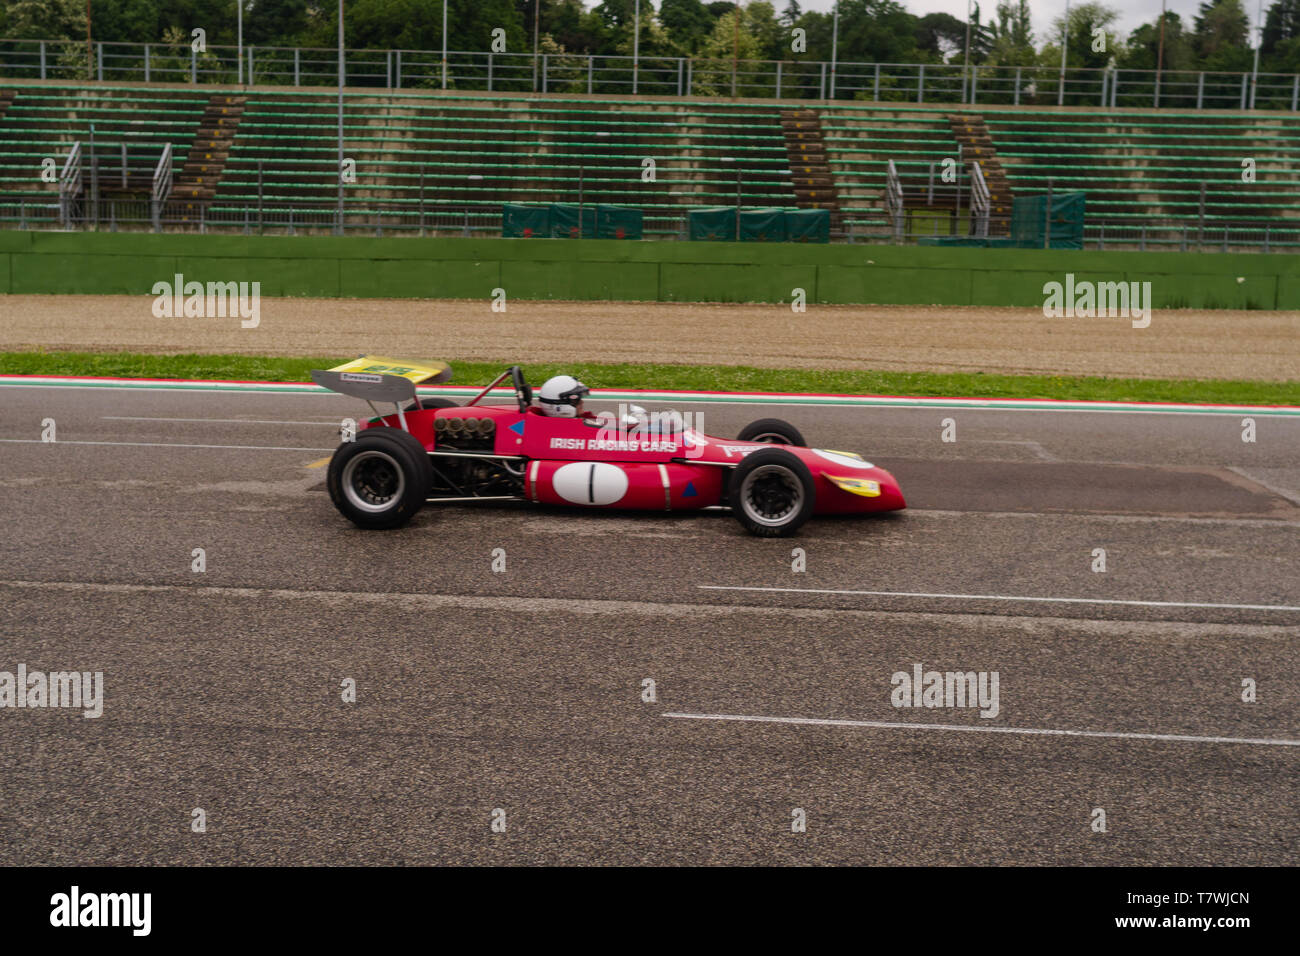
(560,396)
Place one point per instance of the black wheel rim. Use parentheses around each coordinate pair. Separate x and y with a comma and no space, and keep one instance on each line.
(771,495)
(372,481)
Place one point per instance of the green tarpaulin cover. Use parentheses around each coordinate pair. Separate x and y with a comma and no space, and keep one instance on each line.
(1029,220)
(808,225)
(713,224)
(762,225)
(618,222)
(525,222)
(564,221)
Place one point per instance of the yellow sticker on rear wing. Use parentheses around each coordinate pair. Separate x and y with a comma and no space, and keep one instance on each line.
(416,372)
(856,486)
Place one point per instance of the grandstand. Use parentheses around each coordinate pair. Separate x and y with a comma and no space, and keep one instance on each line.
(264,158)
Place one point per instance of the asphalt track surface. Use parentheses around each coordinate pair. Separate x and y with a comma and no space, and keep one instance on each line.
(522,690)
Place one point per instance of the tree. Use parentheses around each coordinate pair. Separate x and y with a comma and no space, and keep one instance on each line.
(713,76)
(876,31)
(1084,19)
(941,35)
(1012,35)
(47,20)
(1281,23)
(1221,36)
(1142,52)
(688,23)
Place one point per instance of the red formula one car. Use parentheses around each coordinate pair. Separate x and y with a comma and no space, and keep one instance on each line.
(433,450)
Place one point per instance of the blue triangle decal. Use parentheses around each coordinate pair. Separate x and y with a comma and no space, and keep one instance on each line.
(690,491)
(518,428)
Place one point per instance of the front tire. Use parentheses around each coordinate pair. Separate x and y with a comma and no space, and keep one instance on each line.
(775,431)
(381,479)
(771,493)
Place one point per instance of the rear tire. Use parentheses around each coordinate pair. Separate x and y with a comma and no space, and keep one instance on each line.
(771,493)
(381,479)
(773,430)
(421,403)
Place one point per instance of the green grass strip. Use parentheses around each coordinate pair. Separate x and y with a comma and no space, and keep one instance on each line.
(725,378)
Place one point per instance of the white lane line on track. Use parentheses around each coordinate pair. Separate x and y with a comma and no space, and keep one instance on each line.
(975,729)
(723,398)
(1009,597)
(157,444)
(216,421)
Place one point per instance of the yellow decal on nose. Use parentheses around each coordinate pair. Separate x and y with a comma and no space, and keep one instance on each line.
(856,486)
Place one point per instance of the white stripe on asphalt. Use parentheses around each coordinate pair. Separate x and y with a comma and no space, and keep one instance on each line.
(157,444)
(217,421)
(1009,597)
(811,399)
(976,729)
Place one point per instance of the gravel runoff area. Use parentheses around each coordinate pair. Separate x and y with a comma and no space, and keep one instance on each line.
(1219,344)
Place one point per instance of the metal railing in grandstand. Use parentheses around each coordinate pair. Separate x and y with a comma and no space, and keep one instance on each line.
(437,219)
(913,83)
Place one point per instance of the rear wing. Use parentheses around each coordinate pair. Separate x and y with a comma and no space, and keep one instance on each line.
(375,379)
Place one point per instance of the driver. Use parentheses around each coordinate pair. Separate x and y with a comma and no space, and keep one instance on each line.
(561,397)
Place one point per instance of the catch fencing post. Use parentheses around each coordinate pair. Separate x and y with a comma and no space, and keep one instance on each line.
(1200,219)
(920,84)
(1016,102)
(1200,89)
(296,70)
(1047,217)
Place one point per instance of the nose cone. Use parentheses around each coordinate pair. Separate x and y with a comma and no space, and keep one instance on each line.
(891,496)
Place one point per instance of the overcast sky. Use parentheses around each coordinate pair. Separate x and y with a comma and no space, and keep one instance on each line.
(1132,13)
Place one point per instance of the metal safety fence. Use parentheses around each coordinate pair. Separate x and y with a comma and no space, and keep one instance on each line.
(479,71)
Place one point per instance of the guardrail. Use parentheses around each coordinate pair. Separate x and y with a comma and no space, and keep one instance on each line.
(980,205)
(162,186)
(652,76)
(894,200)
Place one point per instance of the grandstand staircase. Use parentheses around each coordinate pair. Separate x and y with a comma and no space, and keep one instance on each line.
(196,184)
(6,100)
(976,142)
(811,176)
